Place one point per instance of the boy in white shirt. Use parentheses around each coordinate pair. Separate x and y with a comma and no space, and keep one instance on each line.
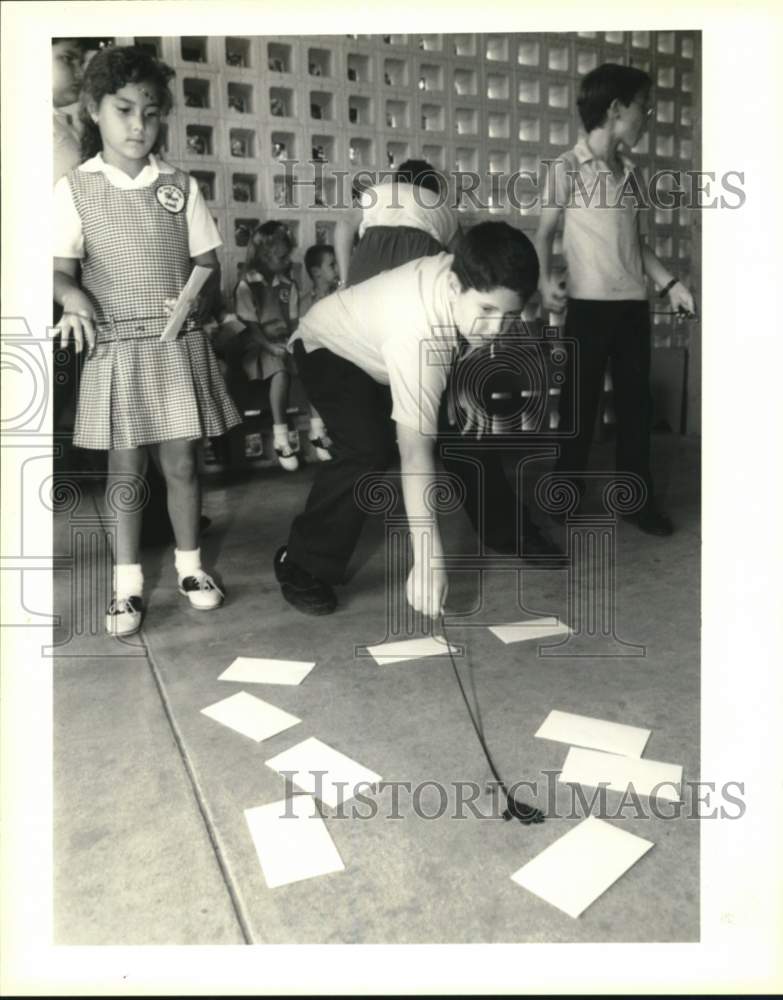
(608,263)
(377,357)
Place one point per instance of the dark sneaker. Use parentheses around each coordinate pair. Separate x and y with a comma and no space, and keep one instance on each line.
(652,521)
(302,591)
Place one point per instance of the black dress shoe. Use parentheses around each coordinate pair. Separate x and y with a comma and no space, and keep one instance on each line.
(302,590)
(652,522)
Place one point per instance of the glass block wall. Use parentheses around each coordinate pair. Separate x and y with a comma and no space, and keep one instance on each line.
(278,127)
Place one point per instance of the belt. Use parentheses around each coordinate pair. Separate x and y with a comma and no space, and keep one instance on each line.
(136,328)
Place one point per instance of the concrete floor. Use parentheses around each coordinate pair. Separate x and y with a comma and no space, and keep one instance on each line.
(151,844)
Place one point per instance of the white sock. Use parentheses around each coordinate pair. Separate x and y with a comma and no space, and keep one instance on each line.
(188,563)
(317,428)
(128,580)
(280,437)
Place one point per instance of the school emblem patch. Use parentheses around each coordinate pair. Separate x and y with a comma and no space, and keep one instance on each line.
(171,198)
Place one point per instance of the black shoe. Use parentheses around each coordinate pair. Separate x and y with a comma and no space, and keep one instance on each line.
(652,522)
(302,591)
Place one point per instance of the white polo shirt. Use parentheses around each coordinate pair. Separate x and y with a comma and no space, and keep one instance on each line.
(399,328)
(601,243)
(68,237)
(400,204)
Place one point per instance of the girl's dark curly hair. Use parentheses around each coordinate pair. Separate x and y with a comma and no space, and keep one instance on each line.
(109,71)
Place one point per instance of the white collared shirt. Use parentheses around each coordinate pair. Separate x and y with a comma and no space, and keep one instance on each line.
(601,243)
(399,328)
(68,237)
(396,203)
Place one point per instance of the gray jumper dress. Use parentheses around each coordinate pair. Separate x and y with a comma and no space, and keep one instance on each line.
(136,390)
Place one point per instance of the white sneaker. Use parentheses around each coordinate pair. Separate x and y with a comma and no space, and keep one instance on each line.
(287,458)
(202,591)
(321,450)
(124,616)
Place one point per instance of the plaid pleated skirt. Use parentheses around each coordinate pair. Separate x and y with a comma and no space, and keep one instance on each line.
(141,391)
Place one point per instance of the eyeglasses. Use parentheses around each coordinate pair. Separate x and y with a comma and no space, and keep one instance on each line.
(647,112)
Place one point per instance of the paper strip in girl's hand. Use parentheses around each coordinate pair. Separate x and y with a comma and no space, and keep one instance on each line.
(186,300)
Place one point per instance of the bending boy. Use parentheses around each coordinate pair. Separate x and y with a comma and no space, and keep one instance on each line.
(360,355)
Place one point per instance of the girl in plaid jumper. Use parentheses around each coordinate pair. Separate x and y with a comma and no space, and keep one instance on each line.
(128,229)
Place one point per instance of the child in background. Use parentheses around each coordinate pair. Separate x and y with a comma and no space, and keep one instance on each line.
(398,221)
(607,261)
(67,55)
(67,58)
(321,266)
(137,226)
(267,302)
(404,220)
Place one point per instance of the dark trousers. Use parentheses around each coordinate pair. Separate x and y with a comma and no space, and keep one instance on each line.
(617,332)
(357,411)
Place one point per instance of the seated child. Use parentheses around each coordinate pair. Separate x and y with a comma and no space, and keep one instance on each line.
(321,266)
(267,303)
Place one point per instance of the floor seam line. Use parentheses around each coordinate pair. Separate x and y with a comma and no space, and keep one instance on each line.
(200,800)
(201,804)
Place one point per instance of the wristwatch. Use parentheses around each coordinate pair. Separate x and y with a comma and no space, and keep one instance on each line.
(667,288)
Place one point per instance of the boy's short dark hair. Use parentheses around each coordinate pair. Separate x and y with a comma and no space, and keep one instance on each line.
(493,255)
(314,256)
(603,85)
(420,174)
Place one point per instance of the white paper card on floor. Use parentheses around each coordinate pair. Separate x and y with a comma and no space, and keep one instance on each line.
(651,778)
(534,628)
(409,649)
(253,670)
(581,865)
(597,734)
(250,716)
(292,841)
(323,771)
